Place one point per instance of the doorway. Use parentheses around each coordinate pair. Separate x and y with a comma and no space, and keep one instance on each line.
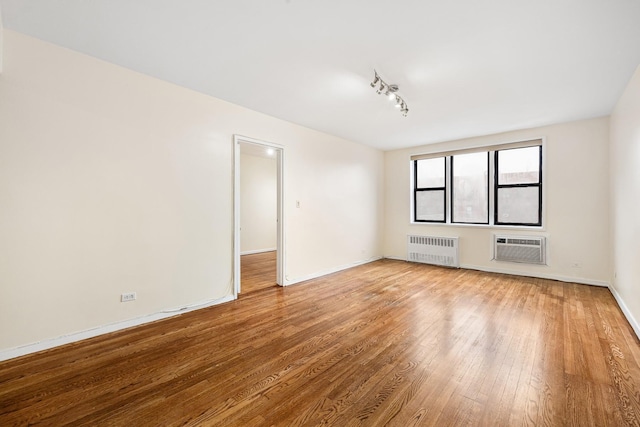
(258,214)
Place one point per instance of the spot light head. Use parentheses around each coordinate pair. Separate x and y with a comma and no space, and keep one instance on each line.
(375,81)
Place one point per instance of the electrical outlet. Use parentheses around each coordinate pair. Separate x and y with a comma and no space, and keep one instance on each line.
(128,297)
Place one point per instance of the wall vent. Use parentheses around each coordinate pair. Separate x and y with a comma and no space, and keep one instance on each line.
(433,250)
(525,249)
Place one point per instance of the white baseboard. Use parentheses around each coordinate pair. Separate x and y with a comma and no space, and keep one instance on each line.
(625,310)
(94,332)
(78,336)
(325,272)
(258,251)
(538,274)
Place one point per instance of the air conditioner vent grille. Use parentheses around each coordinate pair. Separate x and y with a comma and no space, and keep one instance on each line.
(528,250)
(524,242)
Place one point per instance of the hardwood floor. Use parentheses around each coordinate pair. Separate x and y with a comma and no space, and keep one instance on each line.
(257,271)
(386,343)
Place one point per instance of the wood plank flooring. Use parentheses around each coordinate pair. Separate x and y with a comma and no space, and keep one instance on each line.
(257,271)
(386,343)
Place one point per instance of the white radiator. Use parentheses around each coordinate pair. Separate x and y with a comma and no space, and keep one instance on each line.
(525,249)
(433,250)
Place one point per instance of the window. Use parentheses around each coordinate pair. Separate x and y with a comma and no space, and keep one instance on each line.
(496,185)
(470,188)
(518,193)
(430,190)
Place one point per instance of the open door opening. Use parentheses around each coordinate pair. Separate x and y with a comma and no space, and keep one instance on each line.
(258,214)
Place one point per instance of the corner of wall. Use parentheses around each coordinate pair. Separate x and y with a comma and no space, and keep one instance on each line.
(624,179)
(625,310)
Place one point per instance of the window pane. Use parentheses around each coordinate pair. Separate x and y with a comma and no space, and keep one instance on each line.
(518,205)
(519,166)
(430,205)
(470,188)
(430,172)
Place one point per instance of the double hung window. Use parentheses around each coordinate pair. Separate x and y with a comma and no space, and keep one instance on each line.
(470,188)
(430,190)
(518,194)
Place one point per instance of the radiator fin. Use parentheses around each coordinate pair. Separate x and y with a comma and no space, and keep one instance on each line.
(433,250)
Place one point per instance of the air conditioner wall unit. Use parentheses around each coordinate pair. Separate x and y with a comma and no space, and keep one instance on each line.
(522,249)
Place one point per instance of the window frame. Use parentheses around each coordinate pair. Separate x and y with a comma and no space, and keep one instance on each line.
(498,186)
(491,149)
(417,189)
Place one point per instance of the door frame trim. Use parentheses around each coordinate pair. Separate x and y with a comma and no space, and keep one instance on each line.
(280,246)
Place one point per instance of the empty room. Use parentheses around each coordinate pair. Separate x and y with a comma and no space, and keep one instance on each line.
(300,213)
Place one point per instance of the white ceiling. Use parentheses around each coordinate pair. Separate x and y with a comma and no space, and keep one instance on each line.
(465,68)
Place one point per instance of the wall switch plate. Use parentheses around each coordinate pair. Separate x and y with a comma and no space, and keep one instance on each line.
(131,296)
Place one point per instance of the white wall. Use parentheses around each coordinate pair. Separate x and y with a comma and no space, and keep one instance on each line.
(1,43)
(258,203)
(625,200)
(112,181)
(575,209)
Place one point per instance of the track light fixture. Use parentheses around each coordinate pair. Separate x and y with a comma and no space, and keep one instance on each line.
(390,92)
